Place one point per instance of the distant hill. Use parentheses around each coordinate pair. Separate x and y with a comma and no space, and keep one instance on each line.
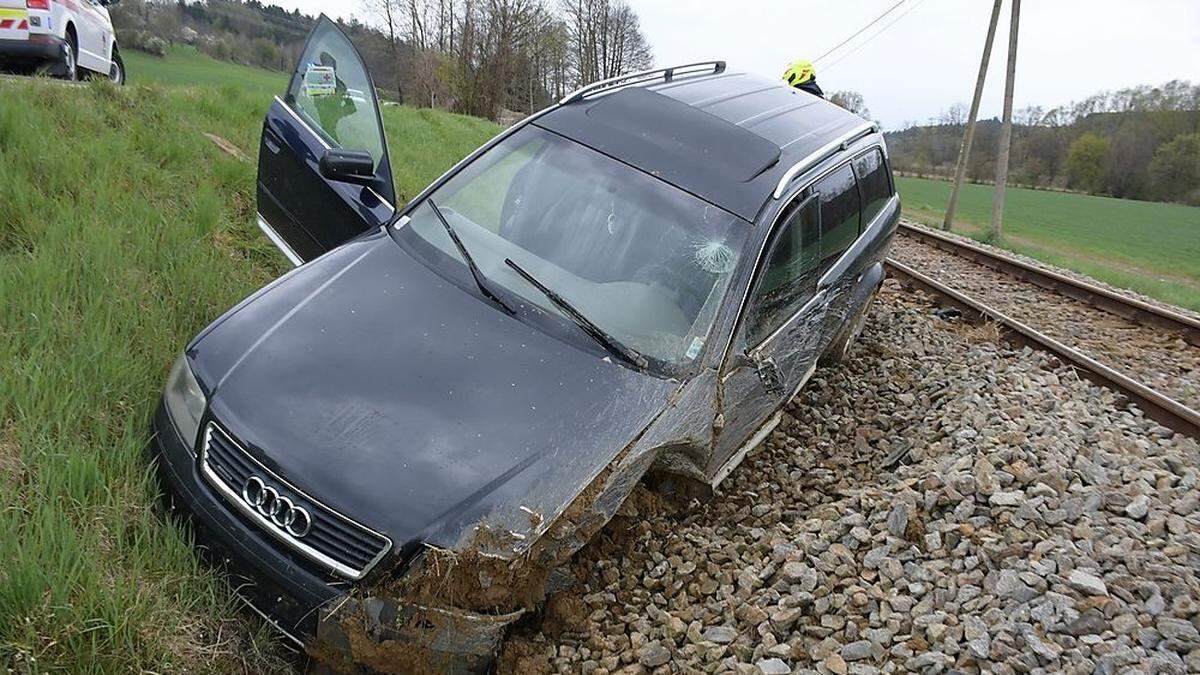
(247,33)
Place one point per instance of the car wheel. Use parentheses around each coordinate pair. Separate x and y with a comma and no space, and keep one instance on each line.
(839,351)
(70,67)
(117,73)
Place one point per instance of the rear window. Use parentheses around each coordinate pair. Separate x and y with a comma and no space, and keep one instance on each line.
(874,182)
(839,213)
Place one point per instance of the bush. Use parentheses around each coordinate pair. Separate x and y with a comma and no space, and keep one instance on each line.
(156,46)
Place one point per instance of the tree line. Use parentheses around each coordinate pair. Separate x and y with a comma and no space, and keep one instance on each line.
(489,58)
(483,57)
(1140,142)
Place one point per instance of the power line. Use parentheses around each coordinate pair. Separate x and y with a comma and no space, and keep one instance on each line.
(876,34)
(860,30)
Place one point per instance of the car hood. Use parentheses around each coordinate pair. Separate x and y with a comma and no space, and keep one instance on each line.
(402,401)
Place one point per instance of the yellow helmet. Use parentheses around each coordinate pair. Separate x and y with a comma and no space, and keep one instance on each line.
(799,72)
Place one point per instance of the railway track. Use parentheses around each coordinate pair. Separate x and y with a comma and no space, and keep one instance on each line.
(1124,306)
(1156,405)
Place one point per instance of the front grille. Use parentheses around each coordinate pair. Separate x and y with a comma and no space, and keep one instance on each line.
(333,541)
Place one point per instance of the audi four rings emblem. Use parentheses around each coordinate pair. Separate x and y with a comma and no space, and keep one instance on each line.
(278,509)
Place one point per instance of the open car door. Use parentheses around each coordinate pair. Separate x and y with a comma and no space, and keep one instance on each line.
(323,169)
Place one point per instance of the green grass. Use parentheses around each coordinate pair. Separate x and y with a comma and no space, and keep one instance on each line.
(185,66)
(1150,247)
(123,232)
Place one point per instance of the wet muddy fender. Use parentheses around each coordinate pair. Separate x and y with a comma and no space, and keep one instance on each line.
(364,635)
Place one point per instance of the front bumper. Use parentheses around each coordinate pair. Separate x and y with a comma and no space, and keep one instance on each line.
(314,609)
(275,583)
(36,48)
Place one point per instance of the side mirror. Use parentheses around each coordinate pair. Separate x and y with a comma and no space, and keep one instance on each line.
(348,166)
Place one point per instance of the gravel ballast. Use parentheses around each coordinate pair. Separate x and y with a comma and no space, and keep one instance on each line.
(941,501)
(1159,358)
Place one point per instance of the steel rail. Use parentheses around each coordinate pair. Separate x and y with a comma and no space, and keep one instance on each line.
(1157,406)
(1114,303)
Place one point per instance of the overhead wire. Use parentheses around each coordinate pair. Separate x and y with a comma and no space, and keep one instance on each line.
(858,32)
(876,34)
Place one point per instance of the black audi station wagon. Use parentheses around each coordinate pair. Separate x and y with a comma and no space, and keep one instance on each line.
(634,279)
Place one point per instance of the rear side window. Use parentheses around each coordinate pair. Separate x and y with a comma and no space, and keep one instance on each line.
(874,182)
(839,213)
(789,278)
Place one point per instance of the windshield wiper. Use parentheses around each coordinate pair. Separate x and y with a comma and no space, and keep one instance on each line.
(476,274)
(595,332)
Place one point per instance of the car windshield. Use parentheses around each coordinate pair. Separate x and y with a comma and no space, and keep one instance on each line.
(644,261)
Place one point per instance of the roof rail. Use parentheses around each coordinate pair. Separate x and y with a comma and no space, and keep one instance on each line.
(823,153)
(667,74)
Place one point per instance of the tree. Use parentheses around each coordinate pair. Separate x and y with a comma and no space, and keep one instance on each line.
(1176,169)
(606,39)
(955,115)
(389,12)
(1087,162)
(1129,160)
(852,101)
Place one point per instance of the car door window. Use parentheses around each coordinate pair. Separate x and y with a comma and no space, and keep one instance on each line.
(789,278)
(839,213)
(874,183)
(331,91)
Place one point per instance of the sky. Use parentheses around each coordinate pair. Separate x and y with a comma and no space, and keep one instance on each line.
(923,56)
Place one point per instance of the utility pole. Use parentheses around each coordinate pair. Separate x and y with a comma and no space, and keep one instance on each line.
(964,150)
(1005,128)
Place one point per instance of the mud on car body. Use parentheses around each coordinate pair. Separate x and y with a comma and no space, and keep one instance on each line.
(396,446)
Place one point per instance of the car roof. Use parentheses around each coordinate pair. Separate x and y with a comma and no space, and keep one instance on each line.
(726,137)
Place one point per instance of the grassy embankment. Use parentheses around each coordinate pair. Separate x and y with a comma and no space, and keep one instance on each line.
(1150,247)
(123,232)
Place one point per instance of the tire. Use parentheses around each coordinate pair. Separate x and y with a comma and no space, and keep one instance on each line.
(116,74)
(839,351)
(70,63)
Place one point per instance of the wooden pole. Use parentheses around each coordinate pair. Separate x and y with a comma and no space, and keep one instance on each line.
(1006,127)
(964,150)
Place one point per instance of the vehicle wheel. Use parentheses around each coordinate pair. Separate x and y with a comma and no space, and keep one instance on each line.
(839,351)
(117,73)
(70,67)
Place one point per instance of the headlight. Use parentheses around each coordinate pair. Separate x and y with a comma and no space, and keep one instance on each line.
(185,402)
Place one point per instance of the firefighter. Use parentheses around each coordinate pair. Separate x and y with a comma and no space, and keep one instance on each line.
(802,75)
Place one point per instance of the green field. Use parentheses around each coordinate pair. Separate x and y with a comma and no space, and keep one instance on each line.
(185,66)
(123,232)
(1150,247)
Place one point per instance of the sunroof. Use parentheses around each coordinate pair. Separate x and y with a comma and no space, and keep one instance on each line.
(683,133)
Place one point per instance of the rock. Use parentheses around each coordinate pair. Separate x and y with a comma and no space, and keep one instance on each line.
(835,664)
(653,655)
(1091,622)
(1086,582)
(1007,499)
(857,651)
(1177,629)
(1138,508)
(721,635)
(1010,585)
(773,667)
(1045,650)
(783,620)
(897,520)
